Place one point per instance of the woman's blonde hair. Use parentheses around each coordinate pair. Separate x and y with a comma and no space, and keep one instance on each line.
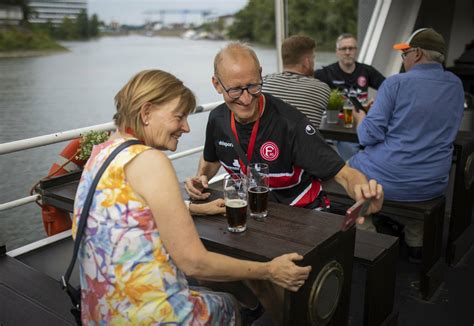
(149,86)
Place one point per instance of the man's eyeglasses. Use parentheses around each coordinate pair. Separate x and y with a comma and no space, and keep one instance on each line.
(347,48)
(404,54)
(236,92)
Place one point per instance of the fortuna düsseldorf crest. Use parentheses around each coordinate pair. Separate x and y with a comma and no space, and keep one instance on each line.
(269,151)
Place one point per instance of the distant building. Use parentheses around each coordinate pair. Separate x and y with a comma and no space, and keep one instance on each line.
(10,15)
(55,10)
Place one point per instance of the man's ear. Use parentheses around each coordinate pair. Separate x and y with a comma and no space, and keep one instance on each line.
(418,55)
(145,112)
(216,85)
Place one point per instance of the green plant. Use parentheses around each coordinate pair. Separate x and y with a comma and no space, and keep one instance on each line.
(88,140)
(336,100)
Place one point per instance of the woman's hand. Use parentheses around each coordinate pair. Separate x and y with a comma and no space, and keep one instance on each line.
(285,273)
(212,208)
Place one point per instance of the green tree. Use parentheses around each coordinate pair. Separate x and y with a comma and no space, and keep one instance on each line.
(94,26)
(323,20)
(67,29)
(82,25)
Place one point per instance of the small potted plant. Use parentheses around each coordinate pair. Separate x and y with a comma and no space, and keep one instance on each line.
(88,141)
(335,103)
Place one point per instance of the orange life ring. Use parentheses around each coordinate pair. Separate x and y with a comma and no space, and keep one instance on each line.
(56,220)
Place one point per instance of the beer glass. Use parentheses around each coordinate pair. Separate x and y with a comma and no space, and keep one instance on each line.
(347,109)
(235,197)
(257,178)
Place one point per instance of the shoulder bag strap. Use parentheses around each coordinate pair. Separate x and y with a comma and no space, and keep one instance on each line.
(86,208)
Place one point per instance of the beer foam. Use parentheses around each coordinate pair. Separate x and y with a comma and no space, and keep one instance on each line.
(235,203)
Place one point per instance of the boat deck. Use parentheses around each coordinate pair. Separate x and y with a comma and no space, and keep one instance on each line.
(31,294)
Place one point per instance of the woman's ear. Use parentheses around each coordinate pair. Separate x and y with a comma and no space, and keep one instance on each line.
(145,112)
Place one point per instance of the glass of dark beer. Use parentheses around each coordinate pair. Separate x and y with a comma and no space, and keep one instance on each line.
(235,197)
(258,188)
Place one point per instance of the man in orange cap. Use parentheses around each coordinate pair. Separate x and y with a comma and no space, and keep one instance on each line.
(409,132)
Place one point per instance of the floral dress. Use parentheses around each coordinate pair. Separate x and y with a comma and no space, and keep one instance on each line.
(126,274)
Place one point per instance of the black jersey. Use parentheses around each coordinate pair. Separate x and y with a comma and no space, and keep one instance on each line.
(356,83)
(297,155)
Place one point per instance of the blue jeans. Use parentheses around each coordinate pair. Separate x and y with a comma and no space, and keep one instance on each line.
(347,149)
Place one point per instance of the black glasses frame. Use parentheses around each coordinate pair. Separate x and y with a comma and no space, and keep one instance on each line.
(404,54)
(241,89)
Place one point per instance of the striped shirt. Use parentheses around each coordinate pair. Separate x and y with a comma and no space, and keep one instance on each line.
(307,94)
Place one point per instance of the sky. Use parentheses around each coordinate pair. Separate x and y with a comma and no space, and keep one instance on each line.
(137,12)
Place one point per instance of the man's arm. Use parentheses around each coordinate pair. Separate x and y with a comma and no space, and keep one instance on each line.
(194,186)
(358,187)
(372,129)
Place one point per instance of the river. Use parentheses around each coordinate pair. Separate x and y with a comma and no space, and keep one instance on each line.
(75,89)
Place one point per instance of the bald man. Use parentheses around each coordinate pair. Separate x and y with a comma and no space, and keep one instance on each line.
(280,135)
(277,134)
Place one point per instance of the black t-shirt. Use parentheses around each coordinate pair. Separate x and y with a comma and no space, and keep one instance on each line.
(297,155)
(356,83)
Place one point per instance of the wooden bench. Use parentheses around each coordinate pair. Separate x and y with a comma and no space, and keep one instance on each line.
(431,212)
(378,253)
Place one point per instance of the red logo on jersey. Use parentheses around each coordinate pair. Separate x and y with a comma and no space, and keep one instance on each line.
(269,151)
(362,81)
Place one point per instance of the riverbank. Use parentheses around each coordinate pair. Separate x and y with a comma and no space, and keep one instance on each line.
(23,42)
(30,53)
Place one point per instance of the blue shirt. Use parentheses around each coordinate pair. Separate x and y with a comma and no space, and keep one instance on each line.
(409,132)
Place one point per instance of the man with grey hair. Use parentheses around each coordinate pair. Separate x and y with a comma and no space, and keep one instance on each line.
(409,132)
(296,85)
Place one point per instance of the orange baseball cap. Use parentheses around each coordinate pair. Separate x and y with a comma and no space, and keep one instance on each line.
(424,38)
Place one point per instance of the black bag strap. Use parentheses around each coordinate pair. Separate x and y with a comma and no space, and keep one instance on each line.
(238,149)
(83,218)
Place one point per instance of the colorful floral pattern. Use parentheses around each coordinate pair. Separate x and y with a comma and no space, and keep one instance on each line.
(126,274)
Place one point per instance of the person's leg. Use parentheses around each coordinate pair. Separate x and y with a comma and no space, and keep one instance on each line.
(271,296)
(347,149)
(224,307)
(413,231)
(238,289)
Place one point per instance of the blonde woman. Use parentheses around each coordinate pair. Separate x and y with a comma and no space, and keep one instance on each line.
(140,240)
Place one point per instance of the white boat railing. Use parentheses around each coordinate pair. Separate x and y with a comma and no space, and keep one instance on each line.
(34,142)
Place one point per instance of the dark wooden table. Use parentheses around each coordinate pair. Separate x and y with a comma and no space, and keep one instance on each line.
(461,228)
(338,131)
(314,235)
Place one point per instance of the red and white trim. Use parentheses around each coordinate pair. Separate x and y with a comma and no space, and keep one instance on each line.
(308,195)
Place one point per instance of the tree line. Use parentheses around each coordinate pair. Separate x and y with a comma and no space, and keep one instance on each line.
(322,20)
(82,27)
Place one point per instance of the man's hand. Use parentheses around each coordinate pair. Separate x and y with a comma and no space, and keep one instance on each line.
(372,191)
(358,116)
(194,187)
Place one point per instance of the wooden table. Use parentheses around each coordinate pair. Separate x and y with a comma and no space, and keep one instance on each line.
(461,226)
(338,131)
(315,235)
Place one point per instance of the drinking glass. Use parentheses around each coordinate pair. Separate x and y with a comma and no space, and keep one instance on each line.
(347,109)
(258,188)
(235,197)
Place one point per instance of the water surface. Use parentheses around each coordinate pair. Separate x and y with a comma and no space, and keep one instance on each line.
(75,89)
